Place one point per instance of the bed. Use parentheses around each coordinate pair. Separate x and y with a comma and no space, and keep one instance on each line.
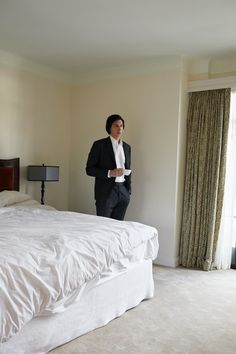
(63,274)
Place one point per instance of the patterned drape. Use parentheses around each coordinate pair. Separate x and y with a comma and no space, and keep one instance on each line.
(207,131)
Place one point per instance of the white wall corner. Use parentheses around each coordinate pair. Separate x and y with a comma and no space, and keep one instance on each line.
(181,157)
(166,261)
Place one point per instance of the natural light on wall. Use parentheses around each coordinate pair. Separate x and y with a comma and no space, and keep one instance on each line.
(227,236)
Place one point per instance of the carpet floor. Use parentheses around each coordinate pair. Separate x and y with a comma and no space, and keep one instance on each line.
(192,312)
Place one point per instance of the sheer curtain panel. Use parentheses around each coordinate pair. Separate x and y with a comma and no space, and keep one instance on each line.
(227,233)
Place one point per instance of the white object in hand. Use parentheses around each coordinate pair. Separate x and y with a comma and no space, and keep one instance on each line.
(127,172)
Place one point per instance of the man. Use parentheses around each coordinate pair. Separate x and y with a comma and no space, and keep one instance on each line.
(109,162)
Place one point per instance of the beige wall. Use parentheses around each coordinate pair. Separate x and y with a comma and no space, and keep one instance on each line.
(209,68)
(40,118)
(150,106)
(35,125)
(181,157)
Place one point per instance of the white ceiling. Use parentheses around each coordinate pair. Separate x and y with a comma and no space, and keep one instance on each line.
(81,35)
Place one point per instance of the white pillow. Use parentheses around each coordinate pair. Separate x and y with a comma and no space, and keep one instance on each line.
(11,197)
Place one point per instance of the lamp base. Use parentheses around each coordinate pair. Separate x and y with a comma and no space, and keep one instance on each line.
(42,192)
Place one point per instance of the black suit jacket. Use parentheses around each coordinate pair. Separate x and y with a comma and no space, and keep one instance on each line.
(101,159)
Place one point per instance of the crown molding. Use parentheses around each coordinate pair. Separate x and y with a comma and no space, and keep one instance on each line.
(131,69)
(128,69)
(17,62)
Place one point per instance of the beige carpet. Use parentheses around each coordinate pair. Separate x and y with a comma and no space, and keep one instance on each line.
(192,312)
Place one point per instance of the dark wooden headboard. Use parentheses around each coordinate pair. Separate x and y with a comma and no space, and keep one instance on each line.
(9,174)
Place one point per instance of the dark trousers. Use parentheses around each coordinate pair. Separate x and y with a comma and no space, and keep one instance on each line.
(115,205)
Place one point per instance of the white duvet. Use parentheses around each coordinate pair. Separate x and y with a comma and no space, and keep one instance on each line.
(47,256)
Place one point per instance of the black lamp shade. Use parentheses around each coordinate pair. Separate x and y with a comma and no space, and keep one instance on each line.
(43,173)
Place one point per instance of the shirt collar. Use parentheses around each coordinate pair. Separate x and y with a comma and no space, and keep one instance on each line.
(115,142)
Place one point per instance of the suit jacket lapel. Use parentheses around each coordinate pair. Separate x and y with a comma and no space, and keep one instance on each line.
(126,156)
(110,149)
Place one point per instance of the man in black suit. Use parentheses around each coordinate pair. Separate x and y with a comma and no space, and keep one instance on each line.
(109,162)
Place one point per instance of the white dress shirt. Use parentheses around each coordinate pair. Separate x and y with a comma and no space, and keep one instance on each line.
(119,156)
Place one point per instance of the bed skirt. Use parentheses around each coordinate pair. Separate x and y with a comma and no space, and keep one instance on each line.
(100,301)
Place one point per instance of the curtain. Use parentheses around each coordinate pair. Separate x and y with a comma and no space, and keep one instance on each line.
(207,131)
(228,220)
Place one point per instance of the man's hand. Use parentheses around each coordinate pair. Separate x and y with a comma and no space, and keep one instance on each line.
(117,172)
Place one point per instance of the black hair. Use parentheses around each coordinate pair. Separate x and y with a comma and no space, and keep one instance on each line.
(111,119)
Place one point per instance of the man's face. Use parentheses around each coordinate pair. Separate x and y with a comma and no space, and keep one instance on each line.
(117,129)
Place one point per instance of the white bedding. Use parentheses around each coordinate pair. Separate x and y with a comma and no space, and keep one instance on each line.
(47,256)
(8,198)
(18,199)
